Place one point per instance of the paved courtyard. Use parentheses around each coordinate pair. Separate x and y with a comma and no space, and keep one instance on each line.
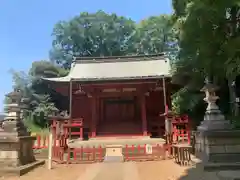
(152,170)
(160,170)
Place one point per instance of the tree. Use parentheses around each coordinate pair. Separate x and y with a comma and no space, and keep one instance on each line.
(208,40)
(45,97)
(92,34)
(40,97)
(155,35)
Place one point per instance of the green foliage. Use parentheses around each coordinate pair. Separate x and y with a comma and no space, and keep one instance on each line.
(235,120)
(209,35)
(33,127)
(155,34)
(40,103)
(184,101)
(92,34)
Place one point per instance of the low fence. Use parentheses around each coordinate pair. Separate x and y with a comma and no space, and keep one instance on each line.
(65,155)
(181,136)
(178,136)
(146,152)
(78,155)
(97,154)
(41,142)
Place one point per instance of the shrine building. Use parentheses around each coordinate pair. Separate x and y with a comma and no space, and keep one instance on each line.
(118,96)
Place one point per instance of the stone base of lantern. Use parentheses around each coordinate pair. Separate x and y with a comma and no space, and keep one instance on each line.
(16,155)
(219,149)
(20,170)
(214,120)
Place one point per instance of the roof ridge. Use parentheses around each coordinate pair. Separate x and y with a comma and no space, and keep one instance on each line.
(119,58)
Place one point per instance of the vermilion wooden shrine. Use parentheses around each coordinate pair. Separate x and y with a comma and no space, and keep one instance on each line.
(118,96)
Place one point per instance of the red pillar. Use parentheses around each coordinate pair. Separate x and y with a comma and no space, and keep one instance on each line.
(143,114)
(94,116)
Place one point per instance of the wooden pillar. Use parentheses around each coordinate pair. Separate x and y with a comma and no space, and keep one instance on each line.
(70,109)
(143,115)
(94,116)
(70,99)
(168,123)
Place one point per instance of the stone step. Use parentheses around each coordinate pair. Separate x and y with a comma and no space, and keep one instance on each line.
(221,166)
(229,175)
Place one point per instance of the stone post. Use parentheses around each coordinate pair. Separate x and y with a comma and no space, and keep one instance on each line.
(216,142)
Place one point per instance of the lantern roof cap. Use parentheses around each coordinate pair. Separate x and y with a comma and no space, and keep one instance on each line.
(210,87)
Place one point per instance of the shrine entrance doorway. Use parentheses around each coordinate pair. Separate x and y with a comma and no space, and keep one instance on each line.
(120,116)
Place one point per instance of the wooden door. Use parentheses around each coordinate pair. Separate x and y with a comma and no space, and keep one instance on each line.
(116,110)
(127,111)
(112,112)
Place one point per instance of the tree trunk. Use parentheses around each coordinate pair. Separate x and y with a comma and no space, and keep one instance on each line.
(232,94)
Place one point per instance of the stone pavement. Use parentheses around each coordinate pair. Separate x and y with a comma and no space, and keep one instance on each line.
(163,170)
(111,171)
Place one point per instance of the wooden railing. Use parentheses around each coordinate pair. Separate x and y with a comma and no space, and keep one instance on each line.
(65,127)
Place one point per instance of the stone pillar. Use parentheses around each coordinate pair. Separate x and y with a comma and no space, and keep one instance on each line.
(216,142)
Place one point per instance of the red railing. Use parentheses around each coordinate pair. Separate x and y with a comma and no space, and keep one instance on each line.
(139,152)
(64,127)
(181,136)
(85,154)
(62,130)
(41,142)
(78,155)
(181,132)
(97,154)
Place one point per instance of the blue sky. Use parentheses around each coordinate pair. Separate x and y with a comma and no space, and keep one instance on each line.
(26,27)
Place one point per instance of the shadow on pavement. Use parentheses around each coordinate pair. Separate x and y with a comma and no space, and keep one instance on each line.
(196,172)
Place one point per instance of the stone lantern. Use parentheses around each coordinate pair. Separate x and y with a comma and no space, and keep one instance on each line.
(16,153)
(213,119)
(217,144)
(13,123)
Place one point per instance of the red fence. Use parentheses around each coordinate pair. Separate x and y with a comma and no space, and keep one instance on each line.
(178,136)
(78,155)
(65,127)
(41,142)
(181,136)
(139,153)
(62,154)
(181,129)
(97,154)
(62,131)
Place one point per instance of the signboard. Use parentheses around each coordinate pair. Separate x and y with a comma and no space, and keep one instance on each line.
(149,149)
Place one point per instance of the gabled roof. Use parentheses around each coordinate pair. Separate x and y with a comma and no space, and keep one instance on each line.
(117,68)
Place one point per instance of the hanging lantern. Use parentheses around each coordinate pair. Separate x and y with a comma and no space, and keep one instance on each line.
(80,90)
